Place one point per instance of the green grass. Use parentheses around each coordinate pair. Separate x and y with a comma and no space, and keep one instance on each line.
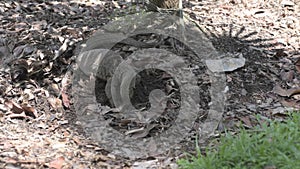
(273,146)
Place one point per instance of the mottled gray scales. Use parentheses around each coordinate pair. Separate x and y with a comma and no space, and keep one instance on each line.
(166,4)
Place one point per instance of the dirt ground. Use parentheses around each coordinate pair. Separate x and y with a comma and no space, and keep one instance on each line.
(38,43)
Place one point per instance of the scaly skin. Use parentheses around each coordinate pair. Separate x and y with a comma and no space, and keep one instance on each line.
(166,4)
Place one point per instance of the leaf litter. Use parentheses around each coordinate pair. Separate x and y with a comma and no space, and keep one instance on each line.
(37,45)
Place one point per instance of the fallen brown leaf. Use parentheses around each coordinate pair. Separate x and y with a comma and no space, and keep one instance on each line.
(247,121)
(290,103)
(297,65)
(287,76)
(14,107)
(29,111)
(286,93)
(4,53)
(55,103)
(64,95)
(65,99)
(143,133)
(20,110)
(57,163)
(28,94)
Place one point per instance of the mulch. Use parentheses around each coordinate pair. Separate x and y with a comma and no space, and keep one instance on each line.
(39,41)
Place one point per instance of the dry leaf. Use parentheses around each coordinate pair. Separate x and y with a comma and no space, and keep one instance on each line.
(57,163)
(281,53)
(29,111)
(4,53)
(54,88)
(20,110)
(143,133)
(55,103)
(246,120)
(28,94)
(297,65)
(290,103)
(65,99)
(62,49)
(296,96)
(14,107)
(286,93)
(287,76)
(145,164)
